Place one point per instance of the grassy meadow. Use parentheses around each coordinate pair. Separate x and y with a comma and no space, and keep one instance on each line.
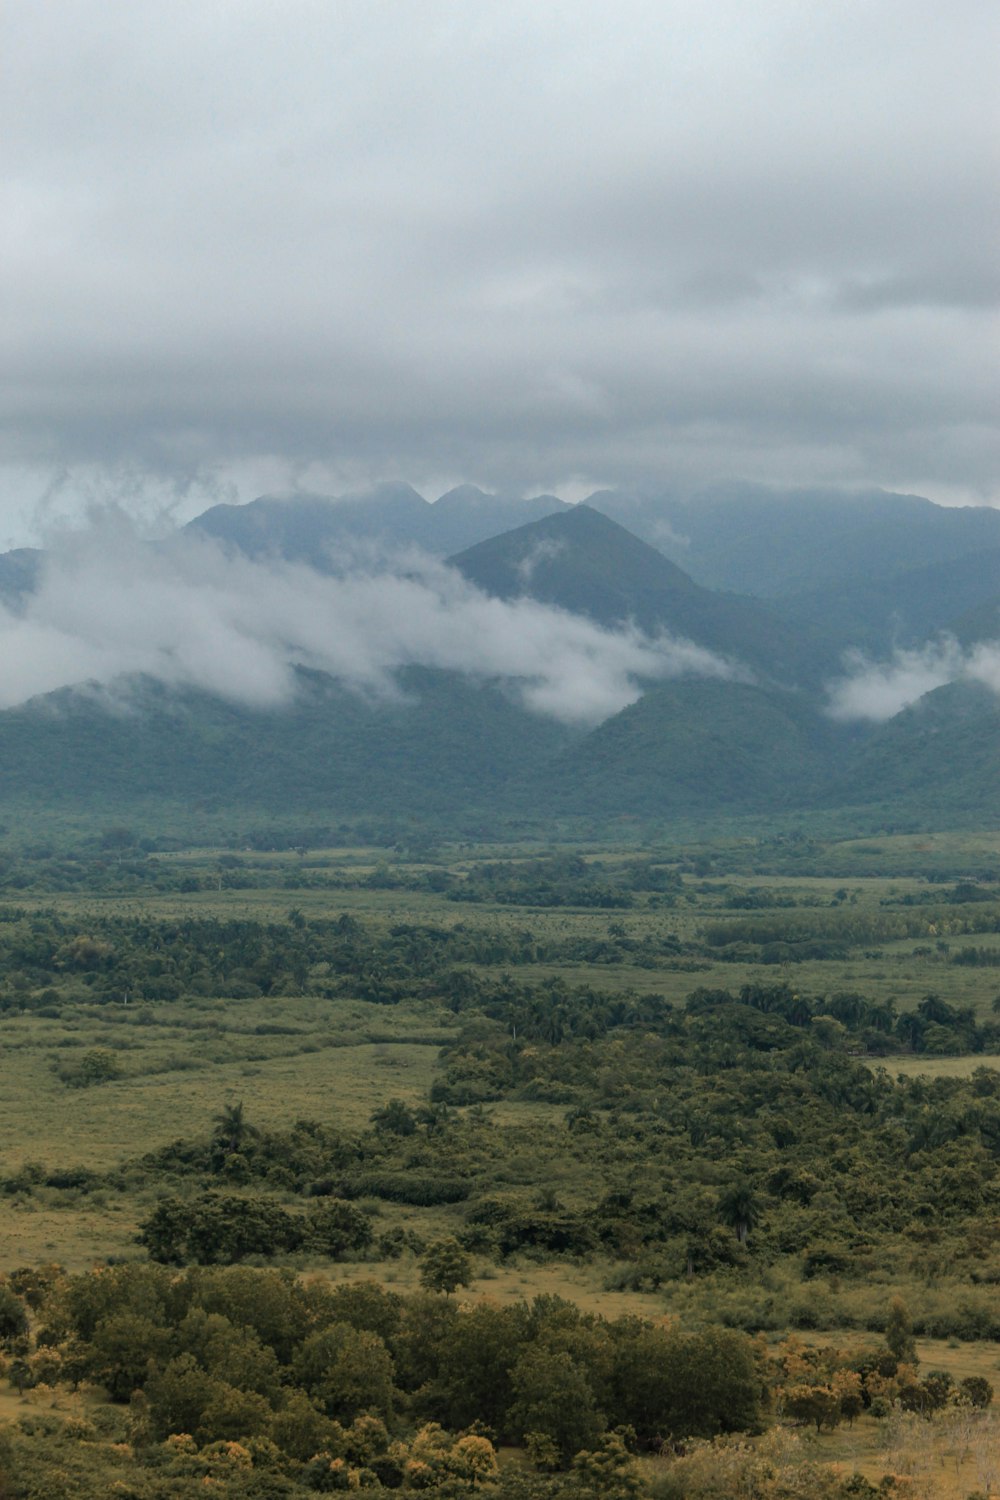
(338,1060)
(885,918)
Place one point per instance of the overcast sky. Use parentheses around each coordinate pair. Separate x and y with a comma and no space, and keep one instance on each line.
(253,246)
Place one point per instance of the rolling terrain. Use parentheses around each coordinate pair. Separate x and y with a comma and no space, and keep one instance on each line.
(741,728)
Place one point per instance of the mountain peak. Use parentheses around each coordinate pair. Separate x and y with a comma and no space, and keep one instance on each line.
(582,561)
(578,559)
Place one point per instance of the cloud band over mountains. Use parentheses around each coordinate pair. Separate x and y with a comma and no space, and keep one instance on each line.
(877,691)
(187,614)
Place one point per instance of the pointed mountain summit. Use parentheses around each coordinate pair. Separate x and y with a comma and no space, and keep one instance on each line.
(582,561)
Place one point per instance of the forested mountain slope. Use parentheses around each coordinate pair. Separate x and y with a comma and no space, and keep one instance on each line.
(744,730)
(581,561)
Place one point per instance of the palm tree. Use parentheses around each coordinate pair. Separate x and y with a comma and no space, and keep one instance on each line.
(232,1127)
(738,1207)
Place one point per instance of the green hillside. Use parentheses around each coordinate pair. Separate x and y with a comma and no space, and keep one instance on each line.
(906,608)
(445,745)
(691,745)
(980,623)
(455,749)
(940,757)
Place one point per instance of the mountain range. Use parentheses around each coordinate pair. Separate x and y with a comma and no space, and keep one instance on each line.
(772,587)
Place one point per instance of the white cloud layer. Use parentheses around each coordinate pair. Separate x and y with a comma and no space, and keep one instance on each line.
(877,691)
(528,245)
(187,614)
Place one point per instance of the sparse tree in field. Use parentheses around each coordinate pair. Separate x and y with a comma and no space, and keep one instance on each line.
(976,1391)
(232,1128)
(445,1267)
(899,1333)
(98,1066)
(395,1118)
(986,1452)
(813,1403)
(846,1386)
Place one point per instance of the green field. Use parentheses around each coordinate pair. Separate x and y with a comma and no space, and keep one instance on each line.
(571,1106)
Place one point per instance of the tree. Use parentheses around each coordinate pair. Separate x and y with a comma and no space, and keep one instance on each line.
(475,1363)
(445,1267)
(698,1385)
(13,1317)
(847,1387)
(473,1459)
(738,1207)
(179,1396)
(899,1333)
(395,1118)
(813,1403)
(349,1371)
(334,1227)
(232,1128)
(229,1352)
(218,1229)
(552,1396)
(977,1391)
(231,1413)
(608,1472)
(300,1429)
(124,1348)
(98,1065)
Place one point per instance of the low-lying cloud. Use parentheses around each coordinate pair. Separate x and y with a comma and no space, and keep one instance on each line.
(109,606)
(877,691)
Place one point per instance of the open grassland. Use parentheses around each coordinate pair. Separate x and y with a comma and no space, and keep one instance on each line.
(597,1143)
(938,1067)
(901,968)
(181,1063)
(337,1060)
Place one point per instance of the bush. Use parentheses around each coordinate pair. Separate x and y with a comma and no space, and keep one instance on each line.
(418,1188)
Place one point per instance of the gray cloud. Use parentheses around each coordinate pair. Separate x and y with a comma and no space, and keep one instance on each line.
(524,245)
(877,691)
(188,614)
(543,550)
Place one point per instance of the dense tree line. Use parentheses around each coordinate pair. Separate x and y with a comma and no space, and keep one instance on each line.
(834,934)
(373,1381)
(267,1385)
(45,956)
